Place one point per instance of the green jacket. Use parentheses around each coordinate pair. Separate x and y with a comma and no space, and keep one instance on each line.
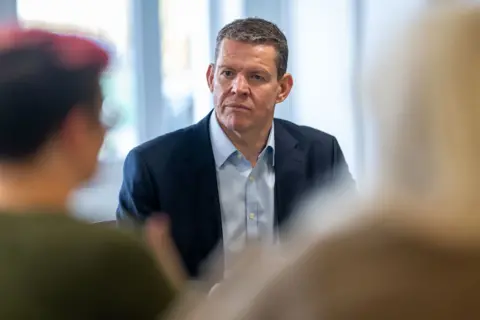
(54,267)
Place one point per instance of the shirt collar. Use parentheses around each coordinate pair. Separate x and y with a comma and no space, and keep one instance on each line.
(223,148)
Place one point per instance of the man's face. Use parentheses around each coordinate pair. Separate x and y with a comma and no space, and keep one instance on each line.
(245,85)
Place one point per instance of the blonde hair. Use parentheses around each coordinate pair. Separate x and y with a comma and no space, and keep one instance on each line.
(426,95)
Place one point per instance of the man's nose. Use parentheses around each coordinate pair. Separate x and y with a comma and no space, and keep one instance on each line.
(240,85)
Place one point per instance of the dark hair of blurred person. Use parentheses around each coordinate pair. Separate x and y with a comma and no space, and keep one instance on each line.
(50,135)
(50,106)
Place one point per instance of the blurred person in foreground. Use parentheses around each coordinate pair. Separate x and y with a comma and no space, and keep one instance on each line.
(409,248)
(234,177)
(52,266)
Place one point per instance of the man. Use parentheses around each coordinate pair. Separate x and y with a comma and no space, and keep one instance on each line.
(234,176)
(54,267)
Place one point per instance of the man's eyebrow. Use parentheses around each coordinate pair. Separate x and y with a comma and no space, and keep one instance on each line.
(259,70)
(251,70)
(222,66)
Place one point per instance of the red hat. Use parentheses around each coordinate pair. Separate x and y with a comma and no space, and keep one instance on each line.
(72,51)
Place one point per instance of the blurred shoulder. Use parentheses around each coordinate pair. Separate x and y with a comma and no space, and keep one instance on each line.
(79,238)
(110,243)
(121,260)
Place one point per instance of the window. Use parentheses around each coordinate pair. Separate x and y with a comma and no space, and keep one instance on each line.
(176,64)
(185,49)
(108,20)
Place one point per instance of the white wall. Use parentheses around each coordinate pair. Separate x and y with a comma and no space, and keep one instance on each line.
(322,40)
(382,19)
(200,59)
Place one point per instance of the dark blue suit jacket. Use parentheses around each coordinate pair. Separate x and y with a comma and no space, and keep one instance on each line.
(175,174)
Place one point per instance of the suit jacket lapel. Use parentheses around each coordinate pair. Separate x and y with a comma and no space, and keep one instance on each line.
(289,172)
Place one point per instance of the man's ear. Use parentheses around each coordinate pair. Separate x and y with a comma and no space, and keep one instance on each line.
(286,84)
(73,135)
(210,76)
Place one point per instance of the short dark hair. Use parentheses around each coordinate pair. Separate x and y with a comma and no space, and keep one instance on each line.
(256,31)
(38,89)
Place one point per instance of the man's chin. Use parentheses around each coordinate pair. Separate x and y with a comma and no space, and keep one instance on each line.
(238,126)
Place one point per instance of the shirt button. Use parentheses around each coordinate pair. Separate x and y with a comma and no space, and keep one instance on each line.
(252,178)
(252,216)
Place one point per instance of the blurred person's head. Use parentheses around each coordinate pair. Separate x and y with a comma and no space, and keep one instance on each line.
(249,75)
(426,99)
(50,109)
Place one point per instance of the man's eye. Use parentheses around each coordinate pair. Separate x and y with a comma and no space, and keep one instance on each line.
(227,73)
(257,77)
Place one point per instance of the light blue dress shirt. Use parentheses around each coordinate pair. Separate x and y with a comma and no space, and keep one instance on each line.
(246,194)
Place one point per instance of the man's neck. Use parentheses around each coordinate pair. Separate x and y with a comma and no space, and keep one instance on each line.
(25,191)
(251,143)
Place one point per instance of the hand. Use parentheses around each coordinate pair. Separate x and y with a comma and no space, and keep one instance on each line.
(157,233)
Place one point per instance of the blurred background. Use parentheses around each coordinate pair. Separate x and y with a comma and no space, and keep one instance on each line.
(163,47)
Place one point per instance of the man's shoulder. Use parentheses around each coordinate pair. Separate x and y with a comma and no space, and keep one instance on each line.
(304,134)
(169,143)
